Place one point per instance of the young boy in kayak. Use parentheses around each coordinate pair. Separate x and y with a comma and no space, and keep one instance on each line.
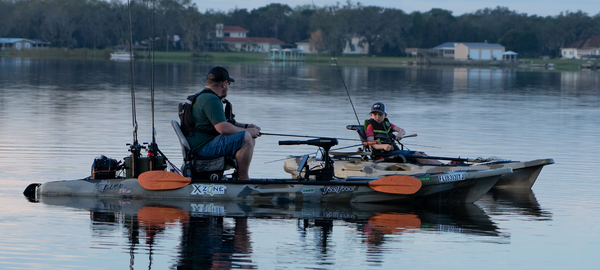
(380,136)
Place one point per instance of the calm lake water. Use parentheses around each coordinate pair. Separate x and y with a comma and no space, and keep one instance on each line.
(56,116)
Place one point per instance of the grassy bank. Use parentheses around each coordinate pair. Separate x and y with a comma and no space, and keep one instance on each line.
(61,53)
(359,60)
(309,59)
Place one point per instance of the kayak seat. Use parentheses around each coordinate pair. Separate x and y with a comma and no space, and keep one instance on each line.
(360,130)
(378,157)
(198,167)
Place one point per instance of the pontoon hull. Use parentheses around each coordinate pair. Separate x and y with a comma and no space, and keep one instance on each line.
(524,173)
(465,186)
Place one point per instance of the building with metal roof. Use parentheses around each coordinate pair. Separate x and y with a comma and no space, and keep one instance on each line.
(22,43)
(471,50)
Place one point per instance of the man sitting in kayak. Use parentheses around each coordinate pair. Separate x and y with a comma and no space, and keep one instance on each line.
(379,133)
(214,135)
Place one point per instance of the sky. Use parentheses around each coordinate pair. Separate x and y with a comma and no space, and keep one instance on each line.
(458,7)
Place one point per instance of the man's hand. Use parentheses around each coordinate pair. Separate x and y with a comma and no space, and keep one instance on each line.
(253,126)
(254,131)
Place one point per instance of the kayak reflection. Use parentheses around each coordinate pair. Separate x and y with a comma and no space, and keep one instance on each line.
(217,235)
(519,201)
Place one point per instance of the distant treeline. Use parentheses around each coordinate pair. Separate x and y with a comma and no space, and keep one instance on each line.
(388,31)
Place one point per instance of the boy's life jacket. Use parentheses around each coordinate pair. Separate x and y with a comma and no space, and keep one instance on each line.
(383,132)
(186,117)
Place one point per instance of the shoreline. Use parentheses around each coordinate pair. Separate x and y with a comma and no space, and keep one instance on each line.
(311,59)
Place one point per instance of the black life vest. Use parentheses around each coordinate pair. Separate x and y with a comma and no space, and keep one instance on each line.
(187,113)
(383,132)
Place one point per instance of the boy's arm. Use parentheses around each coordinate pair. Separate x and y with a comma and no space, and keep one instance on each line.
(385,147)
(400,132)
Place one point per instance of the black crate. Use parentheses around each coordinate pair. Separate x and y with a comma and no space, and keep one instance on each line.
(104,168)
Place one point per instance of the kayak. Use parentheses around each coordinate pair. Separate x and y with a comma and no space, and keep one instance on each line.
(316,185)
(361,163)
(457,186)
(523,176)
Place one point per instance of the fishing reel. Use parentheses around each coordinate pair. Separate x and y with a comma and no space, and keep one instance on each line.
(136,164)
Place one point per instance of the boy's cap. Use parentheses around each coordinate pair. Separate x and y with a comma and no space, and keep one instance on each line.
(220,74)
(378,107)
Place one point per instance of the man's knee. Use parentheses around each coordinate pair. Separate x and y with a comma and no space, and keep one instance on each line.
(248,140)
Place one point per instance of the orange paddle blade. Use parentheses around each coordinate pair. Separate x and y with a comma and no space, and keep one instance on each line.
(162,180)
(396,184)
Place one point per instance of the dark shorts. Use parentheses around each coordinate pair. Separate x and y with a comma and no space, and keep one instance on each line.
(224,145)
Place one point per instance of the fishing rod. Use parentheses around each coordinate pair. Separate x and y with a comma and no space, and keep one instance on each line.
(340,148)
(308,136)
(152,70)
(406,136)
(336,63)
(153,150)
(302,136)
(131,76)
(153,147)
(134,147)
(316,152)
(342,77)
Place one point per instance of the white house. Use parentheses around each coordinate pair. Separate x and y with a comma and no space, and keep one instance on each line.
(353,46)
(22,43)
(236,39)
(304,45)
(16,43)
(446,50)
(230,31)
(253,44)
(581,48)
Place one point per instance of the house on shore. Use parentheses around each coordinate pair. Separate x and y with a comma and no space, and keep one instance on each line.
(471,51)
(236,38)
(446,50)
(304,45)
(353,46)
(22,44)
(584,48)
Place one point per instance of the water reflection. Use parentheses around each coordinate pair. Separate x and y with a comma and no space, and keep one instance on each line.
(521,201)
(92,75)
(217,234)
